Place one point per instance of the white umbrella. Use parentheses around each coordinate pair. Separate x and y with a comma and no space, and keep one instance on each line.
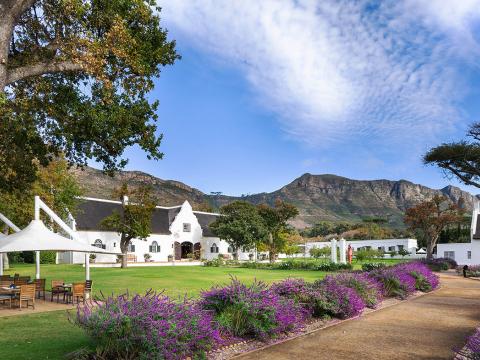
(37,237)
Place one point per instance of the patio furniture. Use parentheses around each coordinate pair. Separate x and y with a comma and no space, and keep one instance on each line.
(16,276)
(6,278)
(5,283)
(77,292)
(27,294)
(40,288)
(20,281)
(58,289)
(4,298)
(88,288)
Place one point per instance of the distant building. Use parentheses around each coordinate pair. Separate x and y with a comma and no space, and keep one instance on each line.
(465,253)
(177,231)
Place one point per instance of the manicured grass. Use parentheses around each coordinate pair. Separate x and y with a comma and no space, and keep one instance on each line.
(51,335)
(175,280)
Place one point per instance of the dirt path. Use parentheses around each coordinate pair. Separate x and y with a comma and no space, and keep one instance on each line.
(427,327)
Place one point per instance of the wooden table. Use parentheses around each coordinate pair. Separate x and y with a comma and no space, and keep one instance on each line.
(5,290)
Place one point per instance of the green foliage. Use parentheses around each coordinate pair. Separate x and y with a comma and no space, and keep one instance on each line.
(403,252)
(291,264)
(323,252)
(240,225)
(48,257)
(78,78)
(368,254)
(372,266)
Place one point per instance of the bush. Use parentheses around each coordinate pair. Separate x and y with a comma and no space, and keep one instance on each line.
(425,280)
(252,311)
(148,326)
(330,266)
(472,347)
(395,281)
(440,264)
(369,290)
(372,266)
(48,257)
(214,263)
(332,299)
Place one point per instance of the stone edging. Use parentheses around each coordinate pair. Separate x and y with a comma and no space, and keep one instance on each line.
(335,323)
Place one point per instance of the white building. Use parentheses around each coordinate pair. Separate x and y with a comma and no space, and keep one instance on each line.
(177,232)
(465,253)
(387,245)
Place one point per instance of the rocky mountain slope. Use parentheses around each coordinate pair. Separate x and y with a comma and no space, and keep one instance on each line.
(318,197)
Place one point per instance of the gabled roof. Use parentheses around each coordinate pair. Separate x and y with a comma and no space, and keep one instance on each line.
(92,211)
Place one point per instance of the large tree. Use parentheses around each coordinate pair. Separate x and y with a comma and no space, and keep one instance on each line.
(460,159)
(275,219)
(239,225)
(134,221)
(430,217)
(74,78)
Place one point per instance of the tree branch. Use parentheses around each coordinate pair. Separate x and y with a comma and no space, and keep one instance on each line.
(41,68)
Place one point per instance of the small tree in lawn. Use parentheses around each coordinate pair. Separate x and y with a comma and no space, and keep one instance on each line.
(239,225)
(134,221)
(403,252)
(431,217)
(275,220)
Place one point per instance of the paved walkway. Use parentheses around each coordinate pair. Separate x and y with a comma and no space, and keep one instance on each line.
(427,327)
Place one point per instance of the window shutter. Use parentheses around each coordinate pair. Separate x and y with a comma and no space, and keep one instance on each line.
(150,248)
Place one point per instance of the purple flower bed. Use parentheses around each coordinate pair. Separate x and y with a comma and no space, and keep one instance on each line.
(252,311)
(425,279)
(395,281)
(472,347)
(148,326)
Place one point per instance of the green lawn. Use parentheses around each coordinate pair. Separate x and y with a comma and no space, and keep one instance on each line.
(51,336)
(175,280)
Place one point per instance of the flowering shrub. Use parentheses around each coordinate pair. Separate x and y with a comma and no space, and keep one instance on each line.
(333,299)
(425,280)
(148,326)
(395,281)
(472,347)
(372,266)
(253,311)
(440,264)
(369,289)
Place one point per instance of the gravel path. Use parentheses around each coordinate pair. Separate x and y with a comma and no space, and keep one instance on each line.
(427,327)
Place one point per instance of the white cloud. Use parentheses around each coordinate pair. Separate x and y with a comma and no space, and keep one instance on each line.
(339,70)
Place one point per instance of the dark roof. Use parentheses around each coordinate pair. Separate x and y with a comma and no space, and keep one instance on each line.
(205,220)
(92,212)
(476,235)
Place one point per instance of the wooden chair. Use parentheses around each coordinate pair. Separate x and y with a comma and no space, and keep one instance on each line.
(58,289)
(6,278)
(20,281)
(78,291)
(26,278)
(6,297)
(27,293)
(6,283)
(40,288)
(88,288)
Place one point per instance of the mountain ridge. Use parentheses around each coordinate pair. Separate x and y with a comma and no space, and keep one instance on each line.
(319,197)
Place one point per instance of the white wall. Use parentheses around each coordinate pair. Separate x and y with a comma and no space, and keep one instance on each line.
(460,252)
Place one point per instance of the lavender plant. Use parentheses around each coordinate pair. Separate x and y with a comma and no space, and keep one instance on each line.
(395,281)
(471,350)
(252,311)
(425,279)
(149,326)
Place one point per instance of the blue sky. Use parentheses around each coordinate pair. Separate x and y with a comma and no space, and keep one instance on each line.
(268,90)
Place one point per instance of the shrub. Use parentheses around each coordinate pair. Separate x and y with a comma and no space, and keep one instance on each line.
(440,264)
(252,311)
(333,299)
(331,266)
(425,280)
(148,326)
(48,257)
(396,282)
(472,347)
(369,290)
(372,266)
(214,263)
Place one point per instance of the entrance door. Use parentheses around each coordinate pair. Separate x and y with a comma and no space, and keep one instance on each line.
(177,250)
(196,251)
(187,250)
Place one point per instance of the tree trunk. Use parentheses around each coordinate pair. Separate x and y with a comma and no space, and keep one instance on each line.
(271,252)
(124,248)
(430,246)
(6,263)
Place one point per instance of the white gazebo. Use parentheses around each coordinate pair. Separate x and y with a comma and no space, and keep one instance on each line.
(37,237)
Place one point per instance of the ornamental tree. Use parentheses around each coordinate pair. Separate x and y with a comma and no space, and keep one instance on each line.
(134,221)
(74,79)
(275,219)
(460,159)
(239,225)
(431,217)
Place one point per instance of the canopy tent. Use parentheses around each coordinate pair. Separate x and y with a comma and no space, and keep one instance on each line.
(421,251)
(37,237)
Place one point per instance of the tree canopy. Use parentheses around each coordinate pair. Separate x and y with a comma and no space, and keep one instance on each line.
(431,217)
(460,159)
(239,225)
(135,219)
(74,79)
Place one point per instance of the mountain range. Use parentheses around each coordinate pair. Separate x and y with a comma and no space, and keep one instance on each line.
(318,197)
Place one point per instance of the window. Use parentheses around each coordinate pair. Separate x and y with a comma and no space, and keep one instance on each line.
(230,250)
(469,255)
(449,255)
(380,248)
(368,248)
(391,248)
(400,247)
(187,227)
(131,247)
(214,249)
(98,243)
(154,248)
